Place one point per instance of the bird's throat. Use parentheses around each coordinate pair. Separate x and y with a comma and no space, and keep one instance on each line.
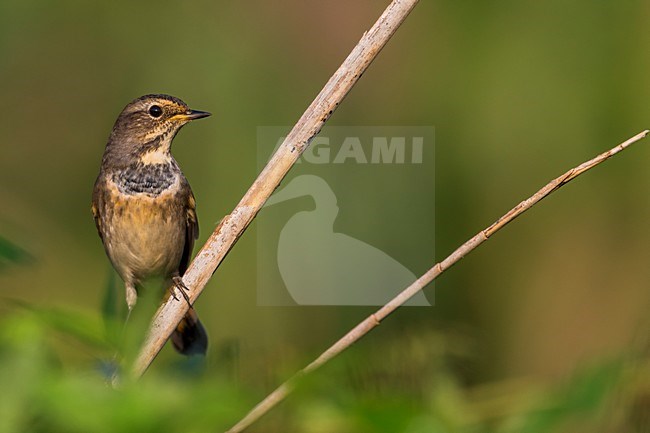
(158,155)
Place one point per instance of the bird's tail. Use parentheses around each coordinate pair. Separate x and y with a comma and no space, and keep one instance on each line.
(190,337)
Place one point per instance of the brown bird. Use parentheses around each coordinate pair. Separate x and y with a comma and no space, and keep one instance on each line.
(144,208)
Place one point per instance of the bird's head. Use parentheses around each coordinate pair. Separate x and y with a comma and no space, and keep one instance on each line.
(146,127)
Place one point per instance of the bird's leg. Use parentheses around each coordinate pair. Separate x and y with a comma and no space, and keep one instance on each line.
(131,296)
(131,299)
(180,285)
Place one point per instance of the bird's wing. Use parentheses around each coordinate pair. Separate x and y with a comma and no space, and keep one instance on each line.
(191,233)
(95,208)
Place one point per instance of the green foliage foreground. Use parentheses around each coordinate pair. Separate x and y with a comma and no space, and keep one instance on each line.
(397,383)
(42,392)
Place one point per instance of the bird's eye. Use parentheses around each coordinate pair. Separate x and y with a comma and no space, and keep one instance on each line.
(155,111)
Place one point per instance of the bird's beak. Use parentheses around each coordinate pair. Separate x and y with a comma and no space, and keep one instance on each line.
(192,115)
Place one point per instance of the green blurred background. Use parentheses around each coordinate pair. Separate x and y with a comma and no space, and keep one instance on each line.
(518,92)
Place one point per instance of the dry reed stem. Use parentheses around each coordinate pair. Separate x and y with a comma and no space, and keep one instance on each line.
(232,226)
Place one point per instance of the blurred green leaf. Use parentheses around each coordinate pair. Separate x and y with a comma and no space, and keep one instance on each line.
(85,327)
(110,299)
(113,315)
(578,400)
(11,253)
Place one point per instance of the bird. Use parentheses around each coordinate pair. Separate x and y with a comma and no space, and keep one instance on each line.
(320,266)
(144,208)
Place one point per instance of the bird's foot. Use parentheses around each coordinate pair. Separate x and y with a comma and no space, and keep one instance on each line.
(180,285)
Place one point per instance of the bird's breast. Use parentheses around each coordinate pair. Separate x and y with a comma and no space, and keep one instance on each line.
(144,235)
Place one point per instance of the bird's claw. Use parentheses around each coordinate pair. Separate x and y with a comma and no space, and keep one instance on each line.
(180,285)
